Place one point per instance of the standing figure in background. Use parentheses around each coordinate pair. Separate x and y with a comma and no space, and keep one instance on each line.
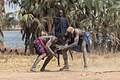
(60,25)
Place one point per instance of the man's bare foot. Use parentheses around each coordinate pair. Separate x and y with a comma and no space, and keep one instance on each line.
(65,68)
(85,68)
(33,70)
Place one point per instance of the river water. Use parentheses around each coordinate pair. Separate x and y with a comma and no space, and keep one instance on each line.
(13,39)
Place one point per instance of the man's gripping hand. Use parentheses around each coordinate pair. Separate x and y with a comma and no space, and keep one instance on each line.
(60,47)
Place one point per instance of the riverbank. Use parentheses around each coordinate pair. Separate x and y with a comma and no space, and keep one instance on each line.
(12,29)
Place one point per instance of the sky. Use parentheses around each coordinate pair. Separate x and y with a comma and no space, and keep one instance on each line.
(12,8)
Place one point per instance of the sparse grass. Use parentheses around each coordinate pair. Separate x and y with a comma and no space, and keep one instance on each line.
(95,62)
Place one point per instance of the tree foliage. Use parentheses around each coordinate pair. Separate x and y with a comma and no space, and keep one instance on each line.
(38,15)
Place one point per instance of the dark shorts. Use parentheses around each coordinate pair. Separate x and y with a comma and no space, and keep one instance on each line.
(39,48)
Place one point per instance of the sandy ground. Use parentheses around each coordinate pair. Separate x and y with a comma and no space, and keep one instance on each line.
(69,75)
(100,67)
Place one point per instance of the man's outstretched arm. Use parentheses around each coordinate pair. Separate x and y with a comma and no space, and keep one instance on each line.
(48,44)
(76,40)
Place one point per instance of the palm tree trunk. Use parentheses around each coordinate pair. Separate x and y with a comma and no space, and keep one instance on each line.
(1,13)
(1,7)
(1,10)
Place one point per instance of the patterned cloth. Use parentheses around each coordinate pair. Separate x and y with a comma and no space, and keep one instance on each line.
(39,46)
(87,38)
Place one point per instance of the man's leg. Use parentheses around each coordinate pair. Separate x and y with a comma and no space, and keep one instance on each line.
(65,58)
(46,62)
(70,51)
(84,54)
(37,61)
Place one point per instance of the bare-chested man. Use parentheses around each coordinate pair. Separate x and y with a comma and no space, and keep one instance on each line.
(43,48)
(77,34)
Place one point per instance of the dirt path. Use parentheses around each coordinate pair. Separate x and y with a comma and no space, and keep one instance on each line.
(100,67)
(66,75)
